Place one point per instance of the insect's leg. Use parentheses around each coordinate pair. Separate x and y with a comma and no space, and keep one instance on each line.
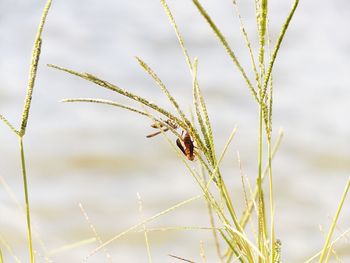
(156,133)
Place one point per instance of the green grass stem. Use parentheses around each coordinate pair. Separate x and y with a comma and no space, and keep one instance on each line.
(21,132)
(26,196)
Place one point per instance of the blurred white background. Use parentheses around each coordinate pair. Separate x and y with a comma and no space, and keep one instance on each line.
(98,155)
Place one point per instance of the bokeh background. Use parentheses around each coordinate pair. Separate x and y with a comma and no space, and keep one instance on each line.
(98,156)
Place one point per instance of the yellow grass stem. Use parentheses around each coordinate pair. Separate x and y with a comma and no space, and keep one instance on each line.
(330,233)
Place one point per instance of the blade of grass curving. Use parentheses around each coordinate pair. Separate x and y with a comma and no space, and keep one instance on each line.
(141,100)
(166,211)
(330,233)
(33,69)
(130,95)
(106,102)
(277,47)
(246,38)
(177,32)
(8,124)
(226,46)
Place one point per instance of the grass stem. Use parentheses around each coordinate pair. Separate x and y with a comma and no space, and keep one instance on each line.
(330,233)
(26,196)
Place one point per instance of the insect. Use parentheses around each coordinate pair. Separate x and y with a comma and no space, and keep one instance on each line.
(162,127)
(186,146)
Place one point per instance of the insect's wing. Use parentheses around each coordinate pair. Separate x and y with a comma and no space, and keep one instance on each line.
(179,144)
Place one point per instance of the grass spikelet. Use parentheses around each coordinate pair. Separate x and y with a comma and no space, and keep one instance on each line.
(33,69)
(226,46)
(277,254)
(277,47)
(164,89)
(247,41)
(177,32)
(8,124)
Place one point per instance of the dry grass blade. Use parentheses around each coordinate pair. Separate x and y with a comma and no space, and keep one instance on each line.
(141,224)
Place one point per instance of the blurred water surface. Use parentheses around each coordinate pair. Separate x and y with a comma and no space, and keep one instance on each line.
(98,156)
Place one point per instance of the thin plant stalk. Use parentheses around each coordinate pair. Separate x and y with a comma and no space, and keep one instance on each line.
(25,115)
(330,233)
(261,214)
(27,209)
(272,208)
